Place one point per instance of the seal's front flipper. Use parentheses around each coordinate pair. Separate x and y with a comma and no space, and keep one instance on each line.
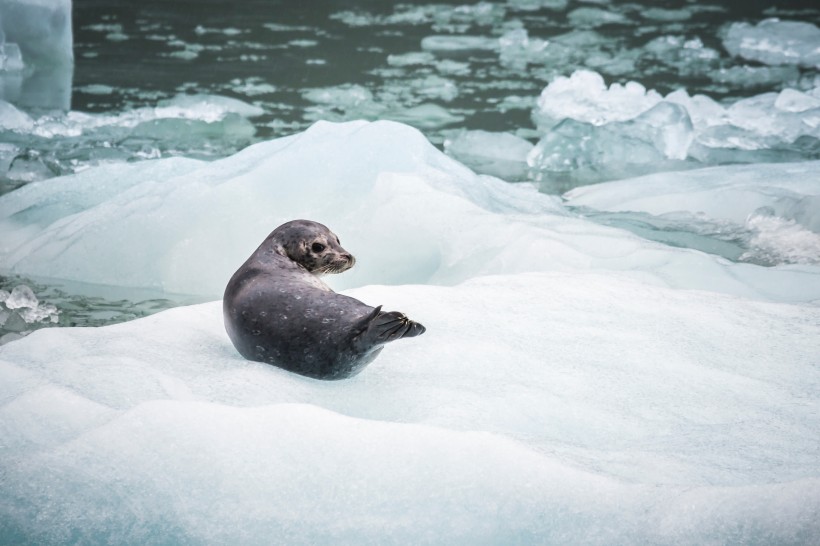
(379,328)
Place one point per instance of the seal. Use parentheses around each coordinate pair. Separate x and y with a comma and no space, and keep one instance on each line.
(277,310)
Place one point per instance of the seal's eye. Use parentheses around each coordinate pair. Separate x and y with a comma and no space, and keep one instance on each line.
(317,247)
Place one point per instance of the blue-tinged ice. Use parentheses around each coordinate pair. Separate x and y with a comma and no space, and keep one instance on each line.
(36,35)
(775,42)
(184,226)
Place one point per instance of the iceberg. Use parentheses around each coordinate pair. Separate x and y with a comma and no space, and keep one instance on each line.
(592,133)
(657,139)
(585,97)
(36,35)
(498,154)
(597,409)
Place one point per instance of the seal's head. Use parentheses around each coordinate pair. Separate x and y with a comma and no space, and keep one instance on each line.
(311,245)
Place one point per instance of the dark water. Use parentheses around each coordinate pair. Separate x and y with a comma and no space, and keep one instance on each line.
(162,48)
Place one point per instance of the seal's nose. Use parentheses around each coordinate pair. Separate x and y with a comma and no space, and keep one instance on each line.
(350,259)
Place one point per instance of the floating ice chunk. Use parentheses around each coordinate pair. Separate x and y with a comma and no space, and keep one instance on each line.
(21,296)
(345,95)
(618,148)
(411,59)
(444,43)
(443,17)
(534,5)
(451,67)
(423,116)
(791,100)
(667,125)
(584,97)
(703,111)
(797,115)
(13,119)
(203,125)
(662,14)
(498,154)
(689,56)
(765,127)
(252,86)
(774,42)
(20,308)
(755,76)
(595,17)
(435,87)
(517,49)
(208,108)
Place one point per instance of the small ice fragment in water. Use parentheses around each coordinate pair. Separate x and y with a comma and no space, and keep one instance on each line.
(21,296)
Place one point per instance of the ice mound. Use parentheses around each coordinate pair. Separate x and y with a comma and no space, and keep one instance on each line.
(498,154)
(592,132)
(599,411)
(775,42)
(655,140)
(585,97)
(777,204)
(398,204)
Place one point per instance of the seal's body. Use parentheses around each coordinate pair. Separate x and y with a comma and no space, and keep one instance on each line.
(278,311)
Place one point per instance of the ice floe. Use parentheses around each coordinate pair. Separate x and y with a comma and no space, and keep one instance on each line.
(577,407)
(773,41)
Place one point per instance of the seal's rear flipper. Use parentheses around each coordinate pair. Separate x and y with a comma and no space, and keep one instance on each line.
(379,328)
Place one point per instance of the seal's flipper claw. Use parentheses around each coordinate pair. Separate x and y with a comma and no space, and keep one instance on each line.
(415,329)
(385,327)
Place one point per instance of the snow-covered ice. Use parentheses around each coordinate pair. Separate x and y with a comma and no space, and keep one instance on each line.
(577,384)
(544,407)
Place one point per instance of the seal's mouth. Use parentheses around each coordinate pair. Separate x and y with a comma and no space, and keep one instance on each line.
(337,266)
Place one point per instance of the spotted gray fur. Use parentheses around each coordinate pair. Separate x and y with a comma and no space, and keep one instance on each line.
(277,310)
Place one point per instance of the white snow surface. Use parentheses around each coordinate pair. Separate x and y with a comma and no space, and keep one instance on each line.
(576,384)
(409,213)
(538,408)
